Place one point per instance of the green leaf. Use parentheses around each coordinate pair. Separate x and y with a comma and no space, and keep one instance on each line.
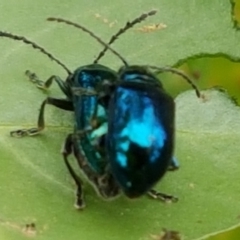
(34,184)
(232,233)
(236,12)
(208,71)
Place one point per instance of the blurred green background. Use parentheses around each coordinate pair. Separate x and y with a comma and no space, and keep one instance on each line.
(211,71)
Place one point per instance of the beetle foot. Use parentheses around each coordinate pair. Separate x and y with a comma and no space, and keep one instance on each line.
(174,164)
(79,203)
(24,132)
(172,168)
(34,79)
(162,196)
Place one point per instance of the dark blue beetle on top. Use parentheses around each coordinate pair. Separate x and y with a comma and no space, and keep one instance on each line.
(140,136)
(142,120)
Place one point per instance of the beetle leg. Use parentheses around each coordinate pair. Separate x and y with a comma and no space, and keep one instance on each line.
(161,196)
(174,164)
(46,84)
(67,150)
(103,183)
(60,103)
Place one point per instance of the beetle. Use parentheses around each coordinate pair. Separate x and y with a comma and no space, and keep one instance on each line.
(140,136)
(140,133)
(92,165)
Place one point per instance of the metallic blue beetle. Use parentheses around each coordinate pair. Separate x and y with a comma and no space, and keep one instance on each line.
(140,137)
(140,134)
(88,77)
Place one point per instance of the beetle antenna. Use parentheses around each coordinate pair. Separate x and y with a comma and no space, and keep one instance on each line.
(177,72)
(127,26)
(91,34)
(34,45)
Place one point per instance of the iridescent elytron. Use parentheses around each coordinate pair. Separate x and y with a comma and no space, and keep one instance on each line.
(90,161)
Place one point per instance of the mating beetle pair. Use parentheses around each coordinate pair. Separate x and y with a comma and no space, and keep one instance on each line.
(140,115)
